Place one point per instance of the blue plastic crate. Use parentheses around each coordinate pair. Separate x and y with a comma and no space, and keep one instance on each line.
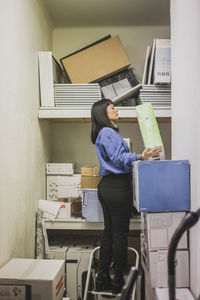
(91,207)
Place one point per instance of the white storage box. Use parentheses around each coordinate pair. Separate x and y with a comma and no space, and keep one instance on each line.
(77,263)
(63,186)
(57,252)
(158,229)
(91,207)
(44,277)
(156,264)
(181,294)
(60,168)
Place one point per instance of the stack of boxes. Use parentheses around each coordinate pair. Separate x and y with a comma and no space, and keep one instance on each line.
(157,231)
(91,208)
(72,193)
(61,181)
(75,250)
(162,195)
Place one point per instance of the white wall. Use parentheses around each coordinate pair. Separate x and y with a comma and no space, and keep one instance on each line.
(71,142)
(24,30)
(185,36)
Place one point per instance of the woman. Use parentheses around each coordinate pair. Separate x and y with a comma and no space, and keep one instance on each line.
(114,192)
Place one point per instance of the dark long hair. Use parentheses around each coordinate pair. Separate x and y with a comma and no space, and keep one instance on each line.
(100,118)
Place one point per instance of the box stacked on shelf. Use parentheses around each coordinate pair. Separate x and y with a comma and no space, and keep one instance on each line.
(96,61)
(62,182)
(63,186)
(59,168)
(90,177)
(161,185)
(91,207)
(157,231)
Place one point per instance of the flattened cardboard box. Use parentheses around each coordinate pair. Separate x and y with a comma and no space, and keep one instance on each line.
(96,62)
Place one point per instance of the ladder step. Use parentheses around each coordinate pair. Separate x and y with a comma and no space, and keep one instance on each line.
(93,292)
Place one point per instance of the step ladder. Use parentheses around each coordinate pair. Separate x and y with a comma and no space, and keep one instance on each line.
(93,292)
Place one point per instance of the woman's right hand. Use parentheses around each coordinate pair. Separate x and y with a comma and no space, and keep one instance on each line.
(148,152)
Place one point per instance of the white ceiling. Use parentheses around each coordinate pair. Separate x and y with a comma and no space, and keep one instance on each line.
(108,12)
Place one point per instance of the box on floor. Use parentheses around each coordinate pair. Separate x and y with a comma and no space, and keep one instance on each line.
(44,278)
(77,262)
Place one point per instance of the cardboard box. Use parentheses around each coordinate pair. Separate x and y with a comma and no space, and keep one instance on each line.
(90,182)
(158,229)
(161,185)
(90,177)
(89,171)
(181,294)
(76,204)
(44,277)
(96,62)
(156,264)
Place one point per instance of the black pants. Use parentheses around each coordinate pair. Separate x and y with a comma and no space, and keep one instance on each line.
(115,196)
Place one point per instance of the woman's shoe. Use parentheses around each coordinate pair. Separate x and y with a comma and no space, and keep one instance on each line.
(103,282)
(117,285)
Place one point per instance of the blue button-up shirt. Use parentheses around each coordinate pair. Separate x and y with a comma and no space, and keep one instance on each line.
(113,153)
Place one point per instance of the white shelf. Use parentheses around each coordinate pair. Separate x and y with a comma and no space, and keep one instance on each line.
(84,113)
(79,224)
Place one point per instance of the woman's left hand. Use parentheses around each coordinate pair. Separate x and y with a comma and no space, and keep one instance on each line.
(148,152)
